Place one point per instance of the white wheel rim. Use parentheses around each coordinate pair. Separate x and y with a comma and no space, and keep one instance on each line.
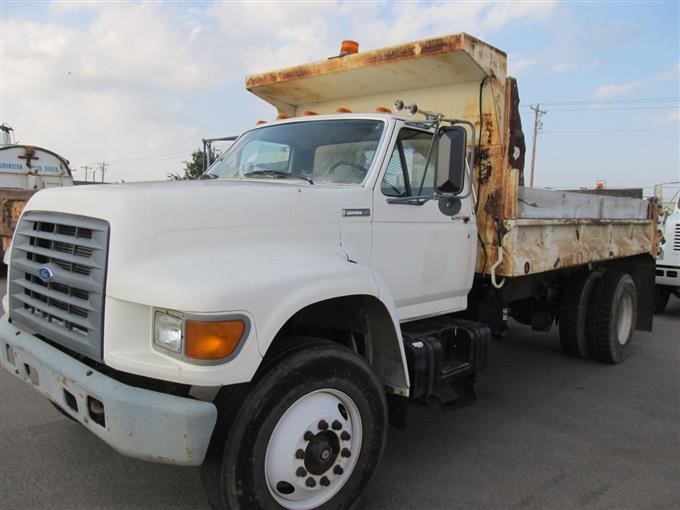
(625,318)
(313,449)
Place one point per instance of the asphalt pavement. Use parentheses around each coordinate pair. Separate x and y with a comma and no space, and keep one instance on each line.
(548,432)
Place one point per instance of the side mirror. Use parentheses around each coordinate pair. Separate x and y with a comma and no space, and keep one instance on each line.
(451,159)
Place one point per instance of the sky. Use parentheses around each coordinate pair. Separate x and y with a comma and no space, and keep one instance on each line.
(139,84)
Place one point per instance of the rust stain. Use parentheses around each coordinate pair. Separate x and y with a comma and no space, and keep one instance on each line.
(484,165)
(492,205)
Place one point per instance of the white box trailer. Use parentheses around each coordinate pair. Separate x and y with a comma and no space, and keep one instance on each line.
(25,170)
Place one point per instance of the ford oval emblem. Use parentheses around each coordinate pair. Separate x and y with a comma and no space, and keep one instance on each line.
(45,274)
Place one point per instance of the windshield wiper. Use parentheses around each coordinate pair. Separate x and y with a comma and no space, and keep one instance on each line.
(278,174)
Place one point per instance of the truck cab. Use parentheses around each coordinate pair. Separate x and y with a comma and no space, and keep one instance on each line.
(668,261)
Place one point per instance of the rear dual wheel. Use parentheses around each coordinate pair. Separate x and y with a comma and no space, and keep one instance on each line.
(574,307)
(307,435)
(612,317)
(597,316)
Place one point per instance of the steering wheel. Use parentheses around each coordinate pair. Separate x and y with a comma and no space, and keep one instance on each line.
(356,166)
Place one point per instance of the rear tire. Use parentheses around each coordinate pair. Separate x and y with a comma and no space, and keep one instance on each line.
(661,297)
(308,433)
(612,317)
(574,311)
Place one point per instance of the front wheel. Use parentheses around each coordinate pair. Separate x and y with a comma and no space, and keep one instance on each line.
(309,434)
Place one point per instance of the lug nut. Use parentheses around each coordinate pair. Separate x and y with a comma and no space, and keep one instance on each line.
(310,482)
(345,436)
(345,452)
(325,481)
(301,471)
(338,470)
(336,425)
(300,454)
(308,436)
(323,425)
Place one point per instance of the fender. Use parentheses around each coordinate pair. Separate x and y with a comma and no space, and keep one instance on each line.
(269,284)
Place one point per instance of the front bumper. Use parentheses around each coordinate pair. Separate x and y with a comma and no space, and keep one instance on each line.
(668,275)
(136,422)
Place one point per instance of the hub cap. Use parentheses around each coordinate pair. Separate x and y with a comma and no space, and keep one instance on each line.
(625,318)
(313,449)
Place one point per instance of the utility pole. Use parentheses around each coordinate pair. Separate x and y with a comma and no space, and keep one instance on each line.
(86,168)
(538,113)
(102,169)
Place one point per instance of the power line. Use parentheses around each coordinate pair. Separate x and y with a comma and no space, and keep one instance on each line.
(144,158)
(621,109)
(147,158)
(608,101)
(611,131)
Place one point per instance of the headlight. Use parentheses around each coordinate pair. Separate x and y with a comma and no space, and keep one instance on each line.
(200,338)
(168,332)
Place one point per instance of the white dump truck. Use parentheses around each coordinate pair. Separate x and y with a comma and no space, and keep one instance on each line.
(24,170)
(668,262)
(268,321)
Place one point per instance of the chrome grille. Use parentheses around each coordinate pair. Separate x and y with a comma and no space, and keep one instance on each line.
(66,305)
(676,238)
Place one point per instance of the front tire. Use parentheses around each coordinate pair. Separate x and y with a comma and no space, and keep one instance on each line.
(612,317)
(309,434)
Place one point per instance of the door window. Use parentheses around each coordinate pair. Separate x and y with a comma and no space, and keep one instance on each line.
(406,173)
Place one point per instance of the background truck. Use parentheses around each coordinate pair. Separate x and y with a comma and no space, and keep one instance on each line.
(24,169)
(668,262)
(267,321)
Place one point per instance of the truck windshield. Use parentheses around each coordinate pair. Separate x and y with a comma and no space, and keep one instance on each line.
(331,151)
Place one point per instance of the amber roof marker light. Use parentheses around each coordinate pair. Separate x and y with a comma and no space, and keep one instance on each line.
(348,47)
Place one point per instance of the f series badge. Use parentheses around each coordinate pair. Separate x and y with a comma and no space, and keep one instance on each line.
(356,212)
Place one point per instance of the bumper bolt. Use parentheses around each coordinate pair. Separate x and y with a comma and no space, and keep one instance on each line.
(325,481)
(301,471)
(338,470)
(345,452)
(300,454)
(310,482)
(345,436)
(336,425)
(323,425)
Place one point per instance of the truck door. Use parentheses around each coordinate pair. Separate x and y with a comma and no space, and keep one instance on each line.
(424,256)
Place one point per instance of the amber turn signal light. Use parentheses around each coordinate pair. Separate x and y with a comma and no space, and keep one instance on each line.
(212,340)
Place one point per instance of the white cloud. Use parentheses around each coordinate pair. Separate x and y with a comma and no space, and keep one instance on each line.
(117,86)
(672,74)
(613,90)
(560,67)
(517,66)
(671,118)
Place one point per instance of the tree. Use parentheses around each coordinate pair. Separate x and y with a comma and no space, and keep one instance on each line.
(193,168)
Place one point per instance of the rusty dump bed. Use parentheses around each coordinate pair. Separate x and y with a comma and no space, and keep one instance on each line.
(461,76)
